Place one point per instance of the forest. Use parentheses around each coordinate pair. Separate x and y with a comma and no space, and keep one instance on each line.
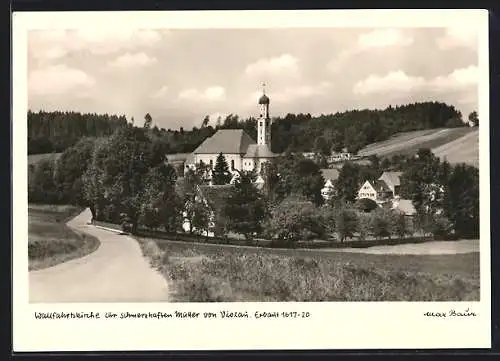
(50,132)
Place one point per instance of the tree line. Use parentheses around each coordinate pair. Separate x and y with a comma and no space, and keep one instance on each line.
(125,177)
(55,131)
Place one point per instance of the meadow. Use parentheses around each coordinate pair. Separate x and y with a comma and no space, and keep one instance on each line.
(201,273)
(464,149)
(50,240)
(409,142)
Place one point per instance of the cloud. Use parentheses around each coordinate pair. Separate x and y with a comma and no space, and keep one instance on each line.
(58,79)
(378,38)
(382,38)
(283,64)
(54,44)
(128,60)
(458,37)
(160,93)
(212,93)
(399,81)
(456,80)
(396,81)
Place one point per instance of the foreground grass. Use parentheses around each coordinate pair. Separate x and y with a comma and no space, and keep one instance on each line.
(225,274)
(50,241)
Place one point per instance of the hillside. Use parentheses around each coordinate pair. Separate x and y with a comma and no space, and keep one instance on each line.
(464,149)
(410,142)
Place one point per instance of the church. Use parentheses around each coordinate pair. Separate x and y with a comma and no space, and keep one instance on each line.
(242,153)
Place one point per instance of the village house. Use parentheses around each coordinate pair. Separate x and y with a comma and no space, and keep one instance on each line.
(330,175)
(343,156)
(386,187)
(393,181)
(376,190)
(386,190)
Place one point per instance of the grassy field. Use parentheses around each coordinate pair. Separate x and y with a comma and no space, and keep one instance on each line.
(464,149)
(35,158)
(225,274)
(50,241)
(410,142)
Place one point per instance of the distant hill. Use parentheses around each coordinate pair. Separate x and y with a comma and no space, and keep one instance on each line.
(464,149)
(435,139)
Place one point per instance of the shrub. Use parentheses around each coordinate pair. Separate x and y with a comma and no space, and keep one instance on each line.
(366,204)
(380,224)
(293,220)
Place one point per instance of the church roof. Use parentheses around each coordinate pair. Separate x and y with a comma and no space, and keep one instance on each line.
(226,141)
(259,151)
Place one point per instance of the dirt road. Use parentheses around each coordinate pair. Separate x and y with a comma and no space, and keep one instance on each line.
(115,272)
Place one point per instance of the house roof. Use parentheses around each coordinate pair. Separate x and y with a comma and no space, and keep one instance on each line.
(190,158)
(259,151)
(405,206)
(177,157)
(226,141)
(380,186)
(392,177)
(330,174)
(216,195)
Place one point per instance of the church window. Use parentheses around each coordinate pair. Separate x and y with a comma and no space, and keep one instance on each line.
(211,164)
(261,124)
(232,164)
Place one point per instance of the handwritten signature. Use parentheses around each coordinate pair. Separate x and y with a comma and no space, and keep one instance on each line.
(451,313)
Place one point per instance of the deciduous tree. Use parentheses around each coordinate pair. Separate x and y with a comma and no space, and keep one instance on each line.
(245,209)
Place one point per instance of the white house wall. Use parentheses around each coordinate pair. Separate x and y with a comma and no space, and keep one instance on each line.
(205,158)
(367,191)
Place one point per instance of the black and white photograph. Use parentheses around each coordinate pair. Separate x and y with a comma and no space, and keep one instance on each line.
(254,164)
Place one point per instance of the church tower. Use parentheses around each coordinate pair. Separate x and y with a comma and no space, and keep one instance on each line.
(264,121)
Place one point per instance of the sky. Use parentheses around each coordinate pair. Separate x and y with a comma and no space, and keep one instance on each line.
(179,76)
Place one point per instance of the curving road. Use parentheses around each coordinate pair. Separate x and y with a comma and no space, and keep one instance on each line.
(116,272)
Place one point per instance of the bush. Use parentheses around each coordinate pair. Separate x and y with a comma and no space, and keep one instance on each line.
(293,220)
(380,224)
(441,227)
(366,204)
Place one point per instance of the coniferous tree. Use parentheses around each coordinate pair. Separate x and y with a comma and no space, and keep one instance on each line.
(221,174)
(348,182)
(148,121)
